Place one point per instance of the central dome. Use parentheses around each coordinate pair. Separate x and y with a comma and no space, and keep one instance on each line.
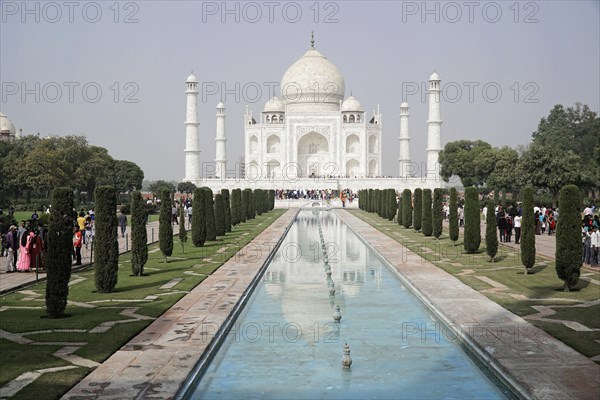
(313,79)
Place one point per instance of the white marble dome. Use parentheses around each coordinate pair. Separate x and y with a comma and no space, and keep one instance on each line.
(274,105)
(221,105)
(434,77)
(191,78)
(351,104)
(6,125)
(313,79)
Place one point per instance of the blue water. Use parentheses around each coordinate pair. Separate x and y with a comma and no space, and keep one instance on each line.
(286,345)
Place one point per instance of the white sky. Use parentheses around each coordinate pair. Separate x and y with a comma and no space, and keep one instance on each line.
(549,50)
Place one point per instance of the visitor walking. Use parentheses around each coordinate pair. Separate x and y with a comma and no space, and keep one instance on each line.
(13,248)
(123,222)
(77,241)
(517,222)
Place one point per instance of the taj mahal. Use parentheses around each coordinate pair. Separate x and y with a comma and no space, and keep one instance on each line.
(313,136)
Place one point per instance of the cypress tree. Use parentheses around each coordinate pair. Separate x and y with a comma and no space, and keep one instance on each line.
(139,235)
(58,256)
(271,199)
(244,199)
(491,235)
(227,208)
(258,201)
(266,202)
(418,212)
(247,203)
(106,244)
(427,224)
(472,238)
(496,197)
(371,202)
(568,236)
(198,218)
(453,223)
(527,230)
(400,214)
(209,214)
(252,203)
(407,208)
(182,230)
(165,229)
(503,198)
(376,201)
(392,204)
(219,215)
(438,212)
(236,214)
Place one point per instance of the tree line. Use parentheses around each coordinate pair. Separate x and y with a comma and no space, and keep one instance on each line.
(422,210)
(212,216)
(34,166)
(565,149)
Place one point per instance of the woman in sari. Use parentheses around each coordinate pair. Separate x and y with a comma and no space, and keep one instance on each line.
(24,262)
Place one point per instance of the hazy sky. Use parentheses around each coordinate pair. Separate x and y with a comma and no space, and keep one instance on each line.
(503,66)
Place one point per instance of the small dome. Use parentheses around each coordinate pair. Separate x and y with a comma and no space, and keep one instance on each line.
(434,77)
(274,105)
(191,79)
(404,104)
(6,125)
(351,104)
(221,105)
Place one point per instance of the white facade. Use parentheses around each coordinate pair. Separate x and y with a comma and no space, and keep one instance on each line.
(314,137)
(312,131)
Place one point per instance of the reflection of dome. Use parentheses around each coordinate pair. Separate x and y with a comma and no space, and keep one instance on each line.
(351,104)
(313,79)
(274,105)
(434,77)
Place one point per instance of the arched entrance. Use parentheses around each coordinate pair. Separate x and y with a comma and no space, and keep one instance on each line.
(313,154)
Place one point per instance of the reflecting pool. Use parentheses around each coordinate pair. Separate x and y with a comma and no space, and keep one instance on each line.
(286,345)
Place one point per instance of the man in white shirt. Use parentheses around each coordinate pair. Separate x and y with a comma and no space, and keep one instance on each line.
(517,221)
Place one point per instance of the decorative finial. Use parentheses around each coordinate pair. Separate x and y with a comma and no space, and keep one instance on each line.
(312,39)
(337,315)
(346,360)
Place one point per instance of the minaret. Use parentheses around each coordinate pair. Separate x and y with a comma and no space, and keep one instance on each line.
(434,128)
(192,138)
(221,141)
(404,159)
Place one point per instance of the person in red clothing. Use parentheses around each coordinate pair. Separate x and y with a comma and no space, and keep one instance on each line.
(77,241)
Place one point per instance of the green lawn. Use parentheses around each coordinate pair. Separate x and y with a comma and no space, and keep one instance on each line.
(542,287)
(25,312)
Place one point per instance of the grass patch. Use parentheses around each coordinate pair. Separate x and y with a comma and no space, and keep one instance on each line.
(542,287)
(192,267)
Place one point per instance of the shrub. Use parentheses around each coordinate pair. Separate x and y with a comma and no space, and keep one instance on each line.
(139,235)
(400,214)
(528,230)
(258,201)
(106,244)
(227,209)
(491,235)
(453,223)
(427,224)
(271,199)
(472,238)
(438,212)
(58,257)
(219,215)
(568,236)
(198,218)
(236,214)
(165,229)
(209,214)
(418,212)
(407,208)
